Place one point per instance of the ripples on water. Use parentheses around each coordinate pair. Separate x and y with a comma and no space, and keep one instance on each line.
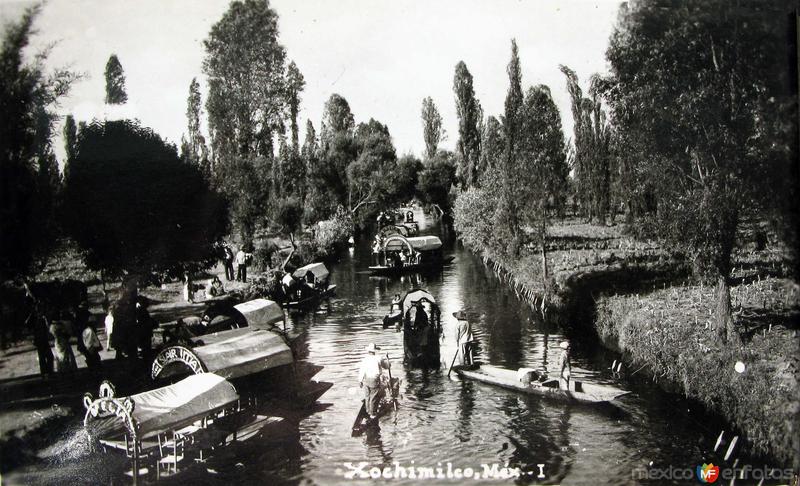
(442,419)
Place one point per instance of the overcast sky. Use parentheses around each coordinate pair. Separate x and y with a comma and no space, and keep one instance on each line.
(384,57)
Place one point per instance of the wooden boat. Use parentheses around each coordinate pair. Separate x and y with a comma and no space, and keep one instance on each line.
(257,346)
(388,403)
(399,254)
(421,321)
(579,391)
(307,285)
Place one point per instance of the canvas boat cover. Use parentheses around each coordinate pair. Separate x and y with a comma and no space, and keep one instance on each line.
(245,354)
(415,296)
(418,243)
(175,406)
(318,269)
(260,313)
(230,354)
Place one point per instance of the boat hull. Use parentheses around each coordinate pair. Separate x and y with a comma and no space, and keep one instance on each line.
(395,270)
(579,391)
(311,299)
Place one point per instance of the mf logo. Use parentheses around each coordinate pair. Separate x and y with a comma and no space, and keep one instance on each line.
(707,473)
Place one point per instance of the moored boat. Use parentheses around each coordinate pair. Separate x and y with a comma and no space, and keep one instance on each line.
(548,387)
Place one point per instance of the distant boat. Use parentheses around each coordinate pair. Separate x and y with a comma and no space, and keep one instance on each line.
(398,254)
(505,378)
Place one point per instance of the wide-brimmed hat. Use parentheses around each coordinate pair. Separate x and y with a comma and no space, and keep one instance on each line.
(371,348)
(563,345)
(460,315)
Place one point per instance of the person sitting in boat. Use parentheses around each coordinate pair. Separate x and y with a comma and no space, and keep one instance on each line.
(464,337)
(370,377)
(395,305)
(564,368)
(216,289)
(420,317)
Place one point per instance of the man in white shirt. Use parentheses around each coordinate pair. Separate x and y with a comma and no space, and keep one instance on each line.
(241,265)
(369,376)
(464,337)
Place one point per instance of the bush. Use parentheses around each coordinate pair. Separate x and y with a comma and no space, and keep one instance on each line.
(333,234)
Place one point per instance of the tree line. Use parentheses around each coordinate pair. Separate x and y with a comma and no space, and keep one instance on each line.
(692,135)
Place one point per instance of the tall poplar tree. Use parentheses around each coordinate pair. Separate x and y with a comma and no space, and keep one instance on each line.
(432,130)
(115,82)
(469,115)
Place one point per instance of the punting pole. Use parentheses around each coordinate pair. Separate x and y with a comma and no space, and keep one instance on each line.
(453,362)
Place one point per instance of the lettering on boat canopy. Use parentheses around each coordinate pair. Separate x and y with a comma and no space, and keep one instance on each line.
(177,354)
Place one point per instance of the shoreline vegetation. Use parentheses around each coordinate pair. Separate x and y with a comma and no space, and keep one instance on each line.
(639,301)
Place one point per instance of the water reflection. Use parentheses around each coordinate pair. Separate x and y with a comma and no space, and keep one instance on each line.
(442,419)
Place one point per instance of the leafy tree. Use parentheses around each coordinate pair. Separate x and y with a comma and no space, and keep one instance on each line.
(370,175)
(405,178)
(134,207)
(473,218)
(338,149)
(507,212)
(28,170)
(70,138)
(714,132)
(492,150)
(435,181)
(246,79)
(246,104)
(193,148)
(115,82)
(593,158)
(432,129)
(469,116)
(540,182)
(294,86)
(337,118)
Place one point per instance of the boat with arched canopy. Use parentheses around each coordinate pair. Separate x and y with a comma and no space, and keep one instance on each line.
(420,319)
(397,253)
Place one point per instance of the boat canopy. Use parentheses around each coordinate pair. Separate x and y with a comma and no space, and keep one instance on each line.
(260,313)
(414,296)
(319,271)
(418,243)
(231,354)
(163,409)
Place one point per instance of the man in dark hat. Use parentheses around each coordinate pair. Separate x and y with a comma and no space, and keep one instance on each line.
(464,337)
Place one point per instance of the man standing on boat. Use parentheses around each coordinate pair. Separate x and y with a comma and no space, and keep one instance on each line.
(564,368)
(464,337)
(369,376)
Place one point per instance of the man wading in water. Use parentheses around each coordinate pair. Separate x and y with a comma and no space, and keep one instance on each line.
(369,376)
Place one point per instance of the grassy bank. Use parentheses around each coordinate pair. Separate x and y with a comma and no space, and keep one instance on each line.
(641,302)
(668,332)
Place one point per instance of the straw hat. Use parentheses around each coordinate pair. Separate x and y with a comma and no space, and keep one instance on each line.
(371,348)
(460,315)
(563,345)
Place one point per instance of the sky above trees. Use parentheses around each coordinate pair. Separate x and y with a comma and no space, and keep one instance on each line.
(383,57)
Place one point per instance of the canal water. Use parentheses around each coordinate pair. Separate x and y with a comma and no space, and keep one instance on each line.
(442,422)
